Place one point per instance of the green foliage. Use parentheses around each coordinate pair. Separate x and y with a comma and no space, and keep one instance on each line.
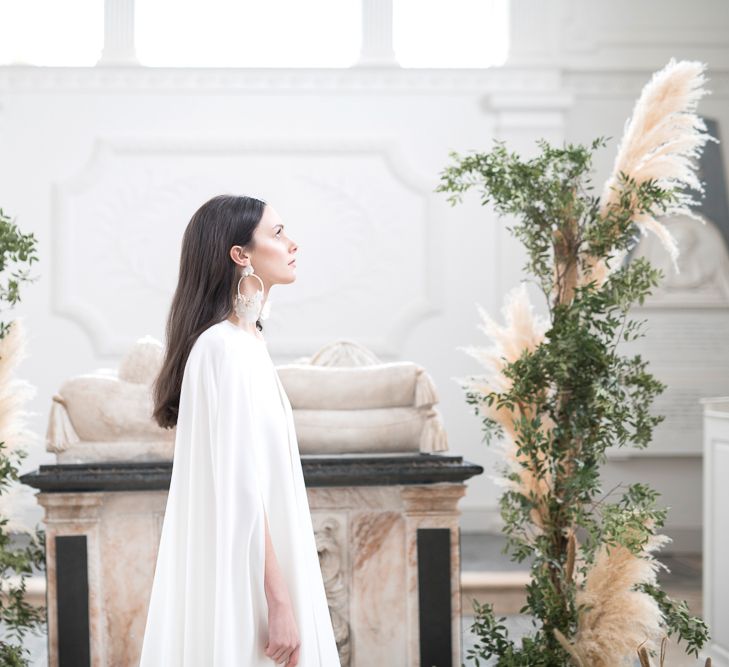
(15,247)
(679,619)
(590,396)
(494,642)
(16,562)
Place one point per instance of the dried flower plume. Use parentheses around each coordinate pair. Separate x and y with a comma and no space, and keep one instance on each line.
(617,620)
(660,141)
(522,331)
(14,393)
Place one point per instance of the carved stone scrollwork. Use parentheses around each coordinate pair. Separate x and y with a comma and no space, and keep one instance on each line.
(703,263)
(329,545)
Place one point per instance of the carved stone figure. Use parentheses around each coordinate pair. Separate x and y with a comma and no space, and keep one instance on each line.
(344,400)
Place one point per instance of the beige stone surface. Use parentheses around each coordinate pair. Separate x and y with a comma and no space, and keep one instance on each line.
(366,540)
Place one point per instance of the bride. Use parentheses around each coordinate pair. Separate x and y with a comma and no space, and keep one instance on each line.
(237,580)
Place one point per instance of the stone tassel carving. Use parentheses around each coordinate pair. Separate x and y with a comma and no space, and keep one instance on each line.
(60,433)
(425,392)
(329,547)
(433,437)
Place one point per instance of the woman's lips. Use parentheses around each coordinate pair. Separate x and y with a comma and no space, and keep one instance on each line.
(292,262)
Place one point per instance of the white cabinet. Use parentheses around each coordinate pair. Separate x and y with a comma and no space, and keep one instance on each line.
(716,528)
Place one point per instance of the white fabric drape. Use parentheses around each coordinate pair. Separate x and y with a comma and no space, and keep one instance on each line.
(236,456)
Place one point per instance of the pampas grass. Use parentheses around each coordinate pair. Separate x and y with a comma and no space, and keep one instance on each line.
(615,615)
(660,142)
(522,331)
(617,620)
(15,498)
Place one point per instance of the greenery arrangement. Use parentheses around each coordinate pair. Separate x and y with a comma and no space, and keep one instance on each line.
(17,253)
(558,393)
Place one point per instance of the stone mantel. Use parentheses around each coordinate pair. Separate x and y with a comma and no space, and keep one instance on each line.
(387,534)
(340,470)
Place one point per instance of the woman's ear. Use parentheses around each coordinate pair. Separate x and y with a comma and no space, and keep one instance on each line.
(239,255)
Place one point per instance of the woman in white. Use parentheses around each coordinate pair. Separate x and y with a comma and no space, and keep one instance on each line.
(237,580)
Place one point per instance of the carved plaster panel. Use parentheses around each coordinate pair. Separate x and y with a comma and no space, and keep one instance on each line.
(361,216)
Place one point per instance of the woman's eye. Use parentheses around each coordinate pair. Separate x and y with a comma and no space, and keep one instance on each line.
(278,232)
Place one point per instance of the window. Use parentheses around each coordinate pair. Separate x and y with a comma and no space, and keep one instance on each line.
(457,33)
(248,33)
(252,33)
(51,32)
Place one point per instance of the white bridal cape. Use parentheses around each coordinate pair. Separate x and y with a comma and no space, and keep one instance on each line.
(236,456)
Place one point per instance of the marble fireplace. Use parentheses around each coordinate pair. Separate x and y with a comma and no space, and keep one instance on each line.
(385,510)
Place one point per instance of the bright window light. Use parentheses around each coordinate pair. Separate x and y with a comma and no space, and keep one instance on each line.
(457,33)
(248,33)
(51,32)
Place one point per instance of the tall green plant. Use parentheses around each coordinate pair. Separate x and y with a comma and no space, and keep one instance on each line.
(575,381)
(17,561)
(562,393)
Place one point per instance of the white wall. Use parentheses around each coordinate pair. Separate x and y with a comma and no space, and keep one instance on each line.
(105,165)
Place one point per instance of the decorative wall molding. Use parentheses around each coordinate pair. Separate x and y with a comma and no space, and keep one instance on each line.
(359,78)
(530,82)
(618,82)
(113,189)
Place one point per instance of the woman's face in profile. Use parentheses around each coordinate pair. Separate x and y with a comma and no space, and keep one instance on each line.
(273,252)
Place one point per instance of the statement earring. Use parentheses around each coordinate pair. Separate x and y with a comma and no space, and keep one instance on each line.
(248,308)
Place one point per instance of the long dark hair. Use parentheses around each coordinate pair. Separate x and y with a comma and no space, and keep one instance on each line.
(205,288)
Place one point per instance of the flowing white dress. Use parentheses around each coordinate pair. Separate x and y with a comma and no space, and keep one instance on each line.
(236,456)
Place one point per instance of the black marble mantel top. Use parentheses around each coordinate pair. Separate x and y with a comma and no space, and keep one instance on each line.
(319,470)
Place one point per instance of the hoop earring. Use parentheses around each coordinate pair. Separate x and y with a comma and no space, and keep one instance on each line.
(248,308)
